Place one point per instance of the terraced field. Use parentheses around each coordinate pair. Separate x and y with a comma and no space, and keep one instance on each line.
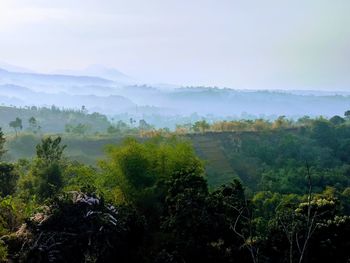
(221,152)
(210,148)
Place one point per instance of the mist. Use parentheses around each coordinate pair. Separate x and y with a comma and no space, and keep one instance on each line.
(235,44)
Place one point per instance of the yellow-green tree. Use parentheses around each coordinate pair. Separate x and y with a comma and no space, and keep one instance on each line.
(133,169)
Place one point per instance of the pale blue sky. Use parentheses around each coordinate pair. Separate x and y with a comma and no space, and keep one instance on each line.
(300,44)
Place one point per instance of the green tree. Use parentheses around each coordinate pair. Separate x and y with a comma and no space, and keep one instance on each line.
(143,125)
(281,122)
(337,120)
(133,168)
(50,150)
(202,225)
(201,126)
(323,132)
(187,220)
(16,124)
(121,125)
(47,168)
(33,124)
(112,129)
(78,176)
(8,179)
(347,114)
(79,129)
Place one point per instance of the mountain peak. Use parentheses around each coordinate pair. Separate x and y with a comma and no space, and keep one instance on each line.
(12,68)
(96,70)
(107,72)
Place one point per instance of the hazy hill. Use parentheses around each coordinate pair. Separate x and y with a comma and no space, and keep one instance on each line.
(100,71)
(228,102)
(158,105)
(21,96)
(49,82)
(52,120)
(14,68)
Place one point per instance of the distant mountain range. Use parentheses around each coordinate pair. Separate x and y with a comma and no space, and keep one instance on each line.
(115,94)
(13,68)
(102,72)
(21,96)
(50,82)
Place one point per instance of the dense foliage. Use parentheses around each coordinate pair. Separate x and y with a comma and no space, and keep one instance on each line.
(149,200)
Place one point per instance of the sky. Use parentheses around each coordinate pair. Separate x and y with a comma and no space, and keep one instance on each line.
(243,44)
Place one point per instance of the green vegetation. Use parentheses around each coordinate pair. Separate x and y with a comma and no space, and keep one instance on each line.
(247,191)
(35,120)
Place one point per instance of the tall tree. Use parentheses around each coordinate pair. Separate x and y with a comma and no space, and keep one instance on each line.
(50,150)
(201,126)
(33,124)
(16,124)
(143,125)
(47,168)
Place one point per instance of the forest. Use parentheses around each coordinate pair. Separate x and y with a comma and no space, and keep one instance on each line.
(209,191)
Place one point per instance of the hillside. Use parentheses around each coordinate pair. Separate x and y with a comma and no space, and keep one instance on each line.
(52,119)
(209,148)
(257,158)
(57,82)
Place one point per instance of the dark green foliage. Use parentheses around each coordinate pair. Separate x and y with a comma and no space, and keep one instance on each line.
(186,218)
(201,126)
(47,169)
(323,132)
(337,120)
(295,225)
(199,225)
(50,150)
(347,114)
(2,143)
(8,179)
(230,213)
(331,241)
(50,180)
(52,119)
(16,124)
(81,228)
(275,160)
(157,206)
(112,130)
(79,129)
(33,125)
(78,176)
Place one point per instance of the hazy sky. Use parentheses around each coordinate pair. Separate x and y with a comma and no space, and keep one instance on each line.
(301,44)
